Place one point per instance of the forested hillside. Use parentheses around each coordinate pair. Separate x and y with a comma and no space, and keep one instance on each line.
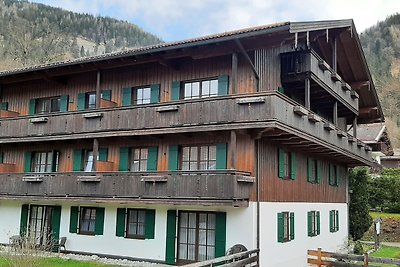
(381,44)
(32,33)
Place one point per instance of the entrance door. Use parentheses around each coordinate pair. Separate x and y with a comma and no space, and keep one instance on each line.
(40,227)
(196,236)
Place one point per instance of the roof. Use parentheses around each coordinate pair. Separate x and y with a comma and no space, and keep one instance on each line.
(370,133)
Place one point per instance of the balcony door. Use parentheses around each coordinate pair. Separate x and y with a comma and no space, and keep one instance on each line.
(40,225)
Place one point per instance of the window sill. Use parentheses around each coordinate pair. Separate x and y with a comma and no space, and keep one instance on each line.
(35,179)
(93,115)
(135,237)
(39,120)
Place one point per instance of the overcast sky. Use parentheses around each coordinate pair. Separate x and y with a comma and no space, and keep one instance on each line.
(182,19)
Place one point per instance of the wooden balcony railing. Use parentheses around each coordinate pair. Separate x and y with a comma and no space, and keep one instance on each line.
(309,63)
(220,187)
(241,259)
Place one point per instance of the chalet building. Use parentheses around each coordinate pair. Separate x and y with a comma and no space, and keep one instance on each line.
(175,152)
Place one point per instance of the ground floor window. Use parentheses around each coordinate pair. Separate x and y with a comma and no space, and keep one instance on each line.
(136,223)
(313,219)
(285,226)
(334,221)
(87,220)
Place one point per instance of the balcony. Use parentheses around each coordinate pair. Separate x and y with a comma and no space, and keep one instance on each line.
(220,187)
(298,65)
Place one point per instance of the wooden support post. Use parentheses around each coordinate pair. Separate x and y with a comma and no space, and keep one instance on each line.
(98,93)
(232,150)
(355,127)
(365,259)
(234,72)
(334,54)
(307,93)
(95,153)
(319,257)
(335,114)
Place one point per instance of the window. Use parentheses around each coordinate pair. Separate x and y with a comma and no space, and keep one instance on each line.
(88,161)
(313,218)
(198,158)
(285,226)
(40,227)
(44,161)
(138,160)
(197,89)
(313,170)
(333,175)
(196,236)
(90,100)
(287,164)
(141,95)
(333,221)
(87,221)
(135,223)
(47,105)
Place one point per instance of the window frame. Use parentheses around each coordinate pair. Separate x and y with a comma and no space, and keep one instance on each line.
(89,105)
(314,222)
(198,161)
(85,160)
(334,181)
(286,226)
(90,220)
(134,95)
(127,222)
(47,103)
(335,221)
(200,81)
(47,164)
(131,158)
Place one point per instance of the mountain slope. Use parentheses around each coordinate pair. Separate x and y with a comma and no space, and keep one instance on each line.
(32,33)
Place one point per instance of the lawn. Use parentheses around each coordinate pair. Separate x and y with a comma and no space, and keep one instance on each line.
(385,215)
(387,252)
(47,262)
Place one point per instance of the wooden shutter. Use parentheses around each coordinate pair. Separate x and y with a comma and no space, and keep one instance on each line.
(152,158)
(120,225)
(24,220)
(339,171)
(173,158)
(106,95)
(27,161)
(221,156)
(337,220)
(4,106)
(81,101)
(103,154)
(309,170)
(73,219)
(124,159)
(318,223)
(77,163)
(1,157)
(126,97)
(220,234)
(170,240)
(281,90)
(331,172)
(331,228)
(150,224)
(55,223)
(32,107)
(319,171)
(54,160)
(280,227)
(99,221)
(292,226)
(64,103)
(281,163)
(154,93)
(293,166)
(309,223)
(175,90)
(223,84)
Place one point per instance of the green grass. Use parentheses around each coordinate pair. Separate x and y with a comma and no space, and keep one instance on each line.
(49,262)
(387,252)
(374,215)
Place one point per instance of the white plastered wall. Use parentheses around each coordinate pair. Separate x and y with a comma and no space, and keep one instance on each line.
(10,214)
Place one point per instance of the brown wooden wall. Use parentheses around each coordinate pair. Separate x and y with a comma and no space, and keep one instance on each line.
(275,189)
(18,95)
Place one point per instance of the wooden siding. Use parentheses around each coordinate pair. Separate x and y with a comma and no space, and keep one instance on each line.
(275,189)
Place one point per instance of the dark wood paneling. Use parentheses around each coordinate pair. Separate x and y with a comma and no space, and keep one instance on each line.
(274,189)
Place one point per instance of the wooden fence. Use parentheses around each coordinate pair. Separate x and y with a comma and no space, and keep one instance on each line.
(322,258)
(241,259)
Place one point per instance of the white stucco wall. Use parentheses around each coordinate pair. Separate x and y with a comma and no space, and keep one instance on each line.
(10,214)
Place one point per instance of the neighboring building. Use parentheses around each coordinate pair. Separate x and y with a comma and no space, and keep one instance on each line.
(176,152)
(392,161)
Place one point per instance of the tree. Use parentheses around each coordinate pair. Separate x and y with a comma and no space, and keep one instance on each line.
(360,220)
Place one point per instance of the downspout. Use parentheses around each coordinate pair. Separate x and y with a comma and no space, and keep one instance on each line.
(258,196)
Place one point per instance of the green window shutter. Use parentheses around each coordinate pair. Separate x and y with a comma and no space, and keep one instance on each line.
(331,221)
(170,241)
(32,107)
(221,156)
(4,105)
(99,221)
(103,154)
(281,163)
(64,103)
(173,158)
(281,90)
(223,84)
(309,223)
(152,158)
(27,161)
(24,220)
(55,222)
(106,95)
(1,157)
(338,174)
(150,224)
(77,164)
(124,159)
(280,227)
(154,93)
(220,234)
(292,226)
(337,220)
(175,90)
(309,170)
(73,219)
(126,97)
(319,171)
(331,170)
(293,166)
(54,161)
(318,223)
(81,101)
(120,225)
